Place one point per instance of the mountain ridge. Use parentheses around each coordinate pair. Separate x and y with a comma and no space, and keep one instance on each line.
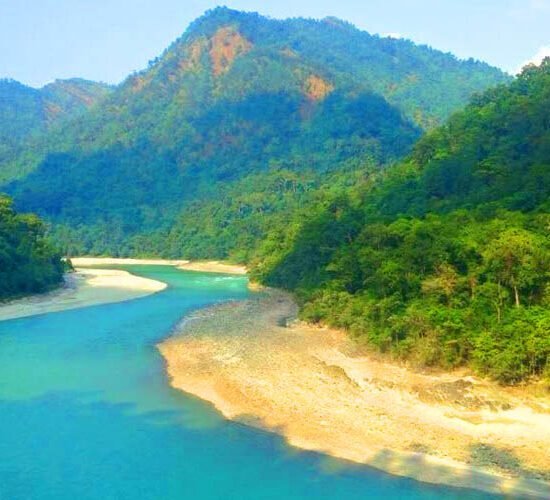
(237,94)
(60,97)
(28,113)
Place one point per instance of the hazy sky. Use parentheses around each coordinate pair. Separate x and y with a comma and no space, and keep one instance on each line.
(41,40)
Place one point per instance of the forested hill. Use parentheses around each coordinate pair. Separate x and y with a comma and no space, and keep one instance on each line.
(28,263)
(444,259)
(26,112)
(237,95)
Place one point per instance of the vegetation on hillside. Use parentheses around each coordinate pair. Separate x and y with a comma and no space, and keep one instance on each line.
(28,263)
(445,259)
(237,95)
(27,113)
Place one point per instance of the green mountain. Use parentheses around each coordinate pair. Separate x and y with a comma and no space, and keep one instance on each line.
(235,102)
(26,112)
(28,263)
(444,259)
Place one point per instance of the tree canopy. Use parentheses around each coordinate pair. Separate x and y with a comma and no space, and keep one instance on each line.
(28,262)
(445,258)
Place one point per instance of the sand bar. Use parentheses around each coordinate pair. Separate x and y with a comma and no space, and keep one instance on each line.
(213,266)
(115,261)
(85,287)
(314,387)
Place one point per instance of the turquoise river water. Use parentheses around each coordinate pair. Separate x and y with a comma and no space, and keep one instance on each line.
(86,412)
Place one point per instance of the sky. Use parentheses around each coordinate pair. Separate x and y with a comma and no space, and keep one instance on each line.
(105,40)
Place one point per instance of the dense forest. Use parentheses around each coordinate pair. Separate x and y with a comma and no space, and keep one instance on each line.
(237,95)
(444,259)
(28,262)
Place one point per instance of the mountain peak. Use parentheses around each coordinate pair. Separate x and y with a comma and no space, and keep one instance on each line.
(337,22)
(235,78)
(216,18)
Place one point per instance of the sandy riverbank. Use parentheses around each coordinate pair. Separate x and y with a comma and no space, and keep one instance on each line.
(90,285)
(85,287)
(314,387)
(213,267)
(185,265)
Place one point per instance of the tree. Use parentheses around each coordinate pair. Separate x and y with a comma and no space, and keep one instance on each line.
(517,259)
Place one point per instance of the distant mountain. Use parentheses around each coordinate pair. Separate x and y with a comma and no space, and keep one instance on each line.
(26,112)
(445,258)
(236,95)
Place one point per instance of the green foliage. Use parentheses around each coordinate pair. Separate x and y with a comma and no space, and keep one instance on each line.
(28,264)
(146,190)
(27,113)
(187,139)
(444,259)
(426,84)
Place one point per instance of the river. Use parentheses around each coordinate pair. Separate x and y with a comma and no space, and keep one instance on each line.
(86,412)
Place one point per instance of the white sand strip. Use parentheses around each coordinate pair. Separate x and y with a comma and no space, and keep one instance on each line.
(211,266)
(113,261)
(85,287)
